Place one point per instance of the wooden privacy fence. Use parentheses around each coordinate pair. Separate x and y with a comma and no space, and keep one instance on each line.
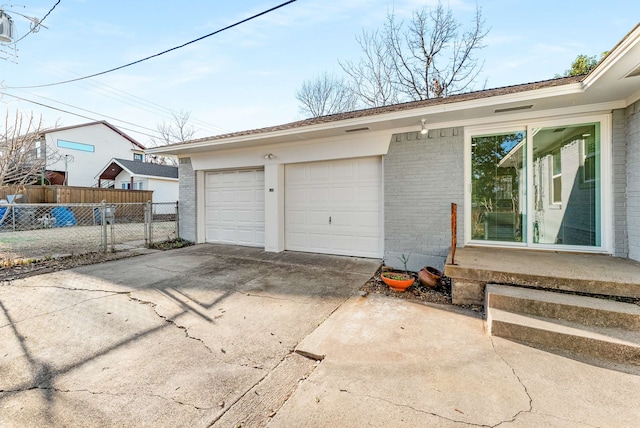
(74,195)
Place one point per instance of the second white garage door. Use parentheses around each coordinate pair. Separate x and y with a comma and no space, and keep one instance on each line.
(335,207)
(234,202)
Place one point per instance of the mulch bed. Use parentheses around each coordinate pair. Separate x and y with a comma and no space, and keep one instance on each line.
(417,292)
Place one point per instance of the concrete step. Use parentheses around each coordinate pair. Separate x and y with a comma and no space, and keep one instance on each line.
(610,344)
(559,306)
(583,326)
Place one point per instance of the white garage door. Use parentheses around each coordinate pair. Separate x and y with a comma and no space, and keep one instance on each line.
(234,202)
(335,207)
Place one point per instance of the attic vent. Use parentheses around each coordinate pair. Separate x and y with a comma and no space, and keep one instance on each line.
(634,73)
(366,128)
(504,110)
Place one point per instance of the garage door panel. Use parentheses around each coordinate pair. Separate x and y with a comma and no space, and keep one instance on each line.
(318,195)
(234,204)
(369,169)
(342,195)
(297,217)
(368,194)
(350,192)
(245,196)
(317,218)
(344,170)
(318,172)
(369,220)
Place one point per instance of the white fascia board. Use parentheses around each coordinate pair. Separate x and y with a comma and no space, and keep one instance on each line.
(299,132)
(612,58)
(590,109)
(155,177)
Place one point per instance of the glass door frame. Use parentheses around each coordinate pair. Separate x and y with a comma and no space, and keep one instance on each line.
(606,182)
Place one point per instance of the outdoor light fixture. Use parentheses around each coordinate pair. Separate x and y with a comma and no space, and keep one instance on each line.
(424,129)
(269,156)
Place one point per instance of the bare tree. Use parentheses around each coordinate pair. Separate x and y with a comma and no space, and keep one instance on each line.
(324,95)
(176,131)
(24,154)
(373,76)
(432,57)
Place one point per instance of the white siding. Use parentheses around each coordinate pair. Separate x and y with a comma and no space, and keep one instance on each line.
(82,166)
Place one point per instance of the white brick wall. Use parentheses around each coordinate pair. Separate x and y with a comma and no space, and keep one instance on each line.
(423,175)
(633,179)
(187,197)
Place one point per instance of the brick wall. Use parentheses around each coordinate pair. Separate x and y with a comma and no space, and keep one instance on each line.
(619,169)
(633,179)
(423,175)
(187,197)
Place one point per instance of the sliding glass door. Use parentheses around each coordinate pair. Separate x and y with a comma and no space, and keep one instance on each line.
(566,184)
(498,174)
(537,186)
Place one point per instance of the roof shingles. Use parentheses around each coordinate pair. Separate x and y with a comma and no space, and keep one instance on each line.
(485,93)
(149,169)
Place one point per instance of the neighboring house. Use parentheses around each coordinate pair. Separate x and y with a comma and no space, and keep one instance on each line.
(551,165)
(81,150)
(138,175)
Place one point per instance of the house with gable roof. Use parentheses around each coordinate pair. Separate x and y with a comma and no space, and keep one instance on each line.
(83,149)
(138,175)
(551,166)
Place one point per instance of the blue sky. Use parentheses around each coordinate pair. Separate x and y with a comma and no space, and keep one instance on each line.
(247,77)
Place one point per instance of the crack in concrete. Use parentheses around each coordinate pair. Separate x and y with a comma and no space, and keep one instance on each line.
(410,407)
(271,297)
(71,288)
(524,387)
(563,419)
(170,321)
(112,394)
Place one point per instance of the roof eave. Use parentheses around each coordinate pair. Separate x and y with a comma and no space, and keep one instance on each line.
(306,132)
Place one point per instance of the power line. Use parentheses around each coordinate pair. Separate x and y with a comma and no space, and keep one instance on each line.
(135,101)
(160,53)
(75,114)
(36,22)
(82,109)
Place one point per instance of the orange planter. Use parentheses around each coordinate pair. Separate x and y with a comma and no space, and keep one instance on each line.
(397,284)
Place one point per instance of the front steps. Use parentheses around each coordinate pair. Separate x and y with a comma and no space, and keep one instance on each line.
(592,328)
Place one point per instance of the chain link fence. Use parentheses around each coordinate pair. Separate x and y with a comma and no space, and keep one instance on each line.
(49,230)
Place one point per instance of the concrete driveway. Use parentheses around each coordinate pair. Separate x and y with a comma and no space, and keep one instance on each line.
(204,336)
(194,337)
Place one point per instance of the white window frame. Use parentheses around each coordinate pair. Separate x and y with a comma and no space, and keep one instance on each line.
(606,182)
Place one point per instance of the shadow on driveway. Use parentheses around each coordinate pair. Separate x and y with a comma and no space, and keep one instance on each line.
(166,339)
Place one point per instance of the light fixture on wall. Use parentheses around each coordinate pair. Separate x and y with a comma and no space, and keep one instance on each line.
(269,156)
(424,129)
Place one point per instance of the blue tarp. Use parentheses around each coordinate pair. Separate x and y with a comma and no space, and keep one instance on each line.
(64,217)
